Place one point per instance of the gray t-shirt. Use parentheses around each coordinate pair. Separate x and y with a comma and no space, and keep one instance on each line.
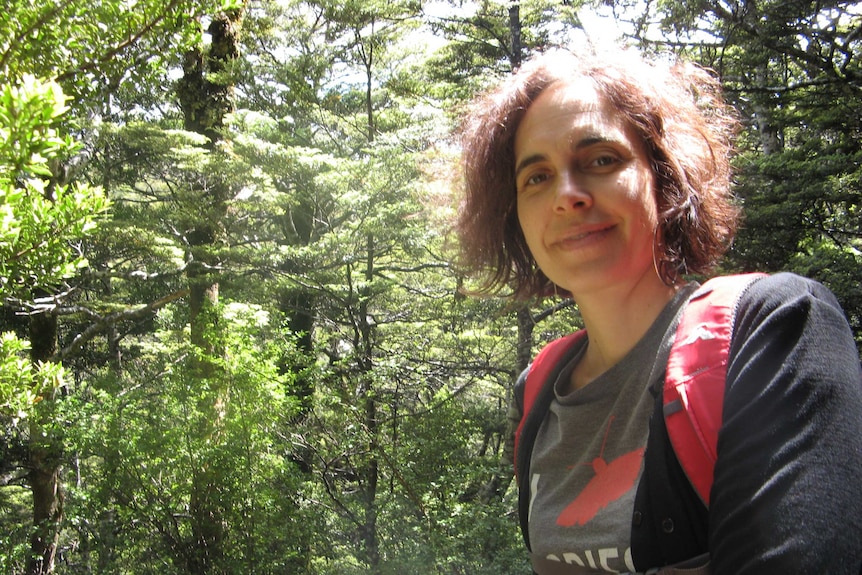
(588,455)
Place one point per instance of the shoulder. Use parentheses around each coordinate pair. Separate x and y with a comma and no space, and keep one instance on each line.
(782,287)
(786,299)
(791,419)
(795,324)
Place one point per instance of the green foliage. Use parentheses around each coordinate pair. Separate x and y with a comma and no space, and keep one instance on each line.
(94,48)
(480,47)
(143,438)
(28,114)
(16,394)
(345,410)
(21,385)
(40,223)
(15,505)
(39,218)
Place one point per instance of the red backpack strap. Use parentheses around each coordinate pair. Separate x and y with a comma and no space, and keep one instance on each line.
(537,375)
(693,395)
(537,396)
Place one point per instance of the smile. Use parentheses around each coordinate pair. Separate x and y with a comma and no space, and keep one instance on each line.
(584,235)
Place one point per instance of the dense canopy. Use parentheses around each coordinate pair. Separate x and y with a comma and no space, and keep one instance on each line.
(234,335)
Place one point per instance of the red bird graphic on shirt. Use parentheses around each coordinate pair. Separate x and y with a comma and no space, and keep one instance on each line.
(612,481)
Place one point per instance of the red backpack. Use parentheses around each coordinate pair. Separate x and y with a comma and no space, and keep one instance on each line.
(693,393)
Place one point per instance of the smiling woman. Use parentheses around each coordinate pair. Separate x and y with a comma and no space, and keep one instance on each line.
(607,177)
(687,150)
(585,198)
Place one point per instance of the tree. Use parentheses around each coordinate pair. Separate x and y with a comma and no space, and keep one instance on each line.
(205,97)
(269,363)
(486,40)
(43,219)
(57,35)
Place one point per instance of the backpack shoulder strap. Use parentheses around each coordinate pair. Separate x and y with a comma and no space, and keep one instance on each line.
(693,395)
(537,396)
(538,375)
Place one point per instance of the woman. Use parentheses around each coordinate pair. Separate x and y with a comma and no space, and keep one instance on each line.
(607,178)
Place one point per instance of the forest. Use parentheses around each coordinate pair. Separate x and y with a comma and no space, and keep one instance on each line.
(235,334)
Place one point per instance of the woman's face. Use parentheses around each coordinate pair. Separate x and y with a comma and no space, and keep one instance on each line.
(585,194)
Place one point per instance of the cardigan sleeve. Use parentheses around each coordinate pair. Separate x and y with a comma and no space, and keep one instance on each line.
(787,492)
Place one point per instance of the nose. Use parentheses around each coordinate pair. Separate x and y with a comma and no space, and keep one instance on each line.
(571,195)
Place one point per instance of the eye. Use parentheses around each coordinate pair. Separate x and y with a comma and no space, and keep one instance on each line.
(607,160)
(532,179)
(535,179)
(603,161)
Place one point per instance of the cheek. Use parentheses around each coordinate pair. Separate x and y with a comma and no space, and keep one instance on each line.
(642,197)
(530,224)
(524,219)
(651,200)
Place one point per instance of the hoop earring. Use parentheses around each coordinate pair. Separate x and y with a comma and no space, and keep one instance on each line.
(660,263)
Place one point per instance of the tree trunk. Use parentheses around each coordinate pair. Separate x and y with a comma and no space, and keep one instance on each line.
(771,140)
(371,473)
(526,323)
(369,103)
(515,31)
(46,454)
(298,306)
(206,97)
(499,481)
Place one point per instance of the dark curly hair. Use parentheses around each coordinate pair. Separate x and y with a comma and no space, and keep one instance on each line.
(674,107)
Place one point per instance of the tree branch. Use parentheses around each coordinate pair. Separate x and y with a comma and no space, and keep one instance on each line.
(103,322)
(111,53)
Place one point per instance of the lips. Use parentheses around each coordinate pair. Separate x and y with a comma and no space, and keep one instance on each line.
(582,235)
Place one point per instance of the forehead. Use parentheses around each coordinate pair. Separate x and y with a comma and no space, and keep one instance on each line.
(580,93)
(570,106)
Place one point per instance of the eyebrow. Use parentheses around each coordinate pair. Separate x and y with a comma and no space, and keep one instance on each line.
(527,162)
(584,142)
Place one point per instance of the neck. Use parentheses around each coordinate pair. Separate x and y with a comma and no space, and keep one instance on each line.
(616,319)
